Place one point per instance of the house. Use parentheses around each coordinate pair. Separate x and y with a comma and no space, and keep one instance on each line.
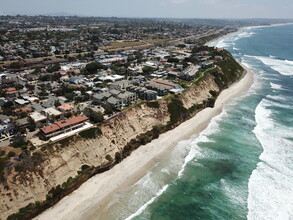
(31,78)
(101,97)
(76,80)
(38,118)
(120,85)
(2,101)
(11,93)
(150,95)
(52,113)
(218,58)
(22,110)
(112,78)
(114,103)
(62,127)
(22,123)
(51,101)
(115,92)
(189,73)
(151,64)
(127,97)
(161,86)
(5,125)
(173,74)
(145,94)
(21,101)
(66,108)
(31,98)
(207,65)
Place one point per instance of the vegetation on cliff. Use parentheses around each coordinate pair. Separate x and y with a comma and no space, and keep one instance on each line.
(226,72)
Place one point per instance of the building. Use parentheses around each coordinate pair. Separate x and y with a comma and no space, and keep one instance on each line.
(206,65)
(52,113)
(22,123)
(38,118)
(5,125)
(120,85)
(150,95)
(11,93)
(162,87)
(66,108)
(101,97)
(189,73)
(62,127)
(114,103)
(127,97)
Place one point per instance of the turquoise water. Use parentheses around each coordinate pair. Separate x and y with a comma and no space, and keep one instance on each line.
(241,166)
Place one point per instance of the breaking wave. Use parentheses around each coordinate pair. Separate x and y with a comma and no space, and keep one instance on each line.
(271,183)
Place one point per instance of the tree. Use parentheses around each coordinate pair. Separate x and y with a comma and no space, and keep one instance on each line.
(15,65)
(118,157)
(93,67)
(57,103)
(30,87)
(32,126)
(54,68)
(19,86)
(181,45)
(95,117)
(11,154)
(173,60)
(108,109)
(147,70)
(19,141)
(69,96)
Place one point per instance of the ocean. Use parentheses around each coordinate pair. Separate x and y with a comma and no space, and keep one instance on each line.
(241,165)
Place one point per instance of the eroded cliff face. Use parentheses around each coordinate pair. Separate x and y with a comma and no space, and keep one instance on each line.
(199,92)
(58,163)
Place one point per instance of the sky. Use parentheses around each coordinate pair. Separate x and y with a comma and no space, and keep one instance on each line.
(153,8)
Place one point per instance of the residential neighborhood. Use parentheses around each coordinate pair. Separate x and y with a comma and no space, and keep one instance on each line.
(43,100)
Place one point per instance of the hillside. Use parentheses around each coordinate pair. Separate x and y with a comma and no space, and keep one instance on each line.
(55,170)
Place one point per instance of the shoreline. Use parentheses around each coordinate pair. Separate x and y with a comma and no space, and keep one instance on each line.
(94,195)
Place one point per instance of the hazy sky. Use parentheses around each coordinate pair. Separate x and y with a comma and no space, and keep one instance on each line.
(154,8)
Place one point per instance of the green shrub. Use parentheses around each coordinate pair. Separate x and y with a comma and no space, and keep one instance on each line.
(211,102)
(176,110)
(195,107)
(11,154)
(213,93)
(118,157)
(109,158)
(85,167)
(154,104)
(91,133)
(2,153)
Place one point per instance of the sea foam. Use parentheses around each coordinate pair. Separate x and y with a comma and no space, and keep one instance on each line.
(284,67)
(271,183)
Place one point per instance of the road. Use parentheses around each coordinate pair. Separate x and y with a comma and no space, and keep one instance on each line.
(143,46)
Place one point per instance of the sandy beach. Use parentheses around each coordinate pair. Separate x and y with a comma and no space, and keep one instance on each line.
(94,194)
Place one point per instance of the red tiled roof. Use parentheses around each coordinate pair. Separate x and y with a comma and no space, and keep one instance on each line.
(10,90)
(66,107)
(50,128)
(71,121)
(63,123)
(23,110)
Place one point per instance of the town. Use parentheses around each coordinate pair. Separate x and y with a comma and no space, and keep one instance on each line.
(48,99)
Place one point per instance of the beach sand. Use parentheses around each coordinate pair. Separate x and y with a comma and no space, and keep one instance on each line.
(95,193)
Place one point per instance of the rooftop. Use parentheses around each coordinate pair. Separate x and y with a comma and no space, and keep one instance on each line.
(37,117)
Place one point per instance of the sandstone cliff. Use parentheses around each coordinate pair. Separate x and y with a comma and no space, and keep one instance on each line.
(56,163)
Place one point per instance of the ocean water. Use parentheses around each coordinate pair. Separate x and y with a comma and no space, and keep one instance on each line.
(241,166)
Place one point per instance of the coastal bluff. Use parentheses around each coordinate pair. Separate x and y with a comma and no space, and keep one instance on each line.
(53,167)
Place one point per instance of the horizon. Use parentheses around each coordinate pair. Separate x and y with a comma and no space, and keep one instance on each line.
(64,14)
(181,9)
